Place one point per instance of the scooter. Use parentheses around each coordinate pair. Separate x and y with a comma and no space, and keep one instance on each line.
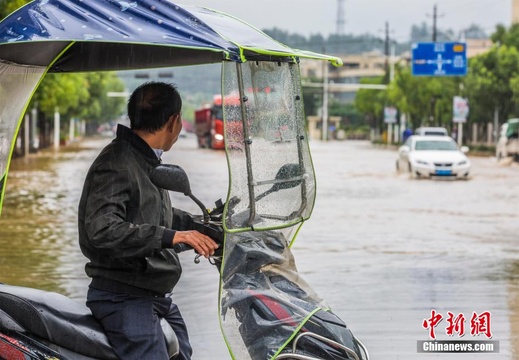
(42,325)
(266,310)
(36,324)
(263,314)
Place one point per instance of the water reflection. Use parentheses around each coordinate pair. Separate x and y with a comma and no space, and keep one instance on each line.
(513,304)
(38,228)
(382,250)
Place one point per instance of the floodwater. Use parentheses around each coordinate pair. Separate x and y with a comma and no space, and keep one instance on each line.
(382,250)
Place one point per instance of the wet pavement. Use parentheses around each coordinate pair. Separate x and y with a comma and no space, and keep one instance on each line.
(382,250)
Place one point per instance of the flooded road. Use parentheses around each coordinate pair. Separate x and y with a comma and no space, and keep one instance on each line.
(382,250)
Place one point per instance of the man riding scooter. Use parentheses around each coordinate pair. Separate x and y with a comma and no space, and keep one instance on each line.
(126,231)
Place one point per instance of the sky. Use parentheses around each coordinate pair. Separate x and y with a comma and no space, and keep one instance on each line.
(308,17)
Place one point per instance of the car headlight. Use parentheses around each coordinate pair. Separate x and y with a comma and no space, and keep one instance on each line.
(421,162)
(463,162)
(218,137)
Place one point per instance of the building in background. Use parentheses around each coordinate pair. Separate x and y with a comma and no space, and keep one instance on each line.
(515,11)
(344,81)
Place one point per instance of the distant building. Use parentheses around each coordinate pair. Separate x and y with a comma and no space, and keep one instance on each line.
(515,11)
(477,47)
(355,68)
(344,80)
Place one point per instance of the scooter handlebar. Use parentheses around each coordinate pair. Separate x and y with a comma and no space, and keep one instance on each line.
(213,231)
(180,247)
(186,221)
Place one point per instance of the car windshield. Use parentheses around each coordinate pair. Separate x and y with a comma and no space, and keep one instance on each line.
(435,133)
(435,145)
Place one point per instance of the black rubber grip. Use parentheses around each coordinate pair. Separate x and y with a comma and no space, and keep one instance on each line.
(181,247)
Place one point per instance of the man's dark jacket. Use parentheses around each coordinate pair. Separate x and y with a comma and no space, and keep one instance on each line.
(125,221)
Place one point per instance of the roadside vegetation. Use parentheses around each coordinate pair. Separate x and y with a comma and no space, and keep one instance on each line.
(491,85)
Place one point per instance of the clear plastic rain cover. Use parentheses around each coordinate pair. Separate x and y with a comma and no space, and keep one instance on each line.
(16,86)
(272,177)
(263,300)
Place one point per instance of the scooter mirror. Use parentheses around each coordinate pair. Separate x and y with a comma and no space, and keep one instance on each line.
(291,174)
(287,177)
(171,177)
(174,178)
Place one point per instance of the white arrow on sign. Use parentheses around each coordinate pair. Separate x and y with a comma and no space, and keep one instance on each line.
(439,62)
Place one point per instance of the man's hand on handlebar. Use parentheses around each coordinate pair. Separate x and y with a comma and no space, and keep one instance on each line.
(201,243)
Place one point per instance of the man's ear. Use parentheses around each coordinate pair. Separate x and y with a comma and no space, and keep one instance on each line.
(171,122)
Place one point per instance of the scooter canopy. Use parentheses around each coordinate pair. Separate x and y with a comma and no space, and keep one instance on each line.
(264,302)
(79,35)
(103,35)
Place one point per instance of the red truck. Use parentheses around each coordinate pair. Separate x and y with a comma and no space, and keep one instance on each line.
(209,125)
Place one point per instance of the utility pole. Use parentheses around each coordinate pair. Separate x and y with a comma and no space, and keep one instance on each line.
(435,17)
(325,100)
(386,53)
(435,25)
(340,17)
(387,47)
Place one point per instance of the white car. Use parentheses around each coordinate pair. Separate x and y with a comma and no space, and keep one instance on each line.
(437,131)
(426,156)
(508,141)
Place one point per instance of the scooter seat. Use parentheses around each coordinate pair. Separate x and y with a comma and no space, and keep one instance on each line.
(57,319)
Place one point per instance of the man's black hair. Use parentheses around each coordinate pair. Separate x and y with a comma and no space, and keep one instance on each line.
(152,104)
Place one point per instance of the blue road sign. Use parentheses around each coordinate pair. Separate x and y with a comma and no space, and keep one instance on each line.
(439,59)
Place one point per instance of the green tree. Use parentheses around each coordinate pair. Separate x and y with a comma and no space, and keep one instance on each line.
(508,37)
(491,83)
(348,112)
(80,95)
(426,100)
(99,106)
(62,91)
(430,100)
(371,102)
(474,31)
(8,6)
